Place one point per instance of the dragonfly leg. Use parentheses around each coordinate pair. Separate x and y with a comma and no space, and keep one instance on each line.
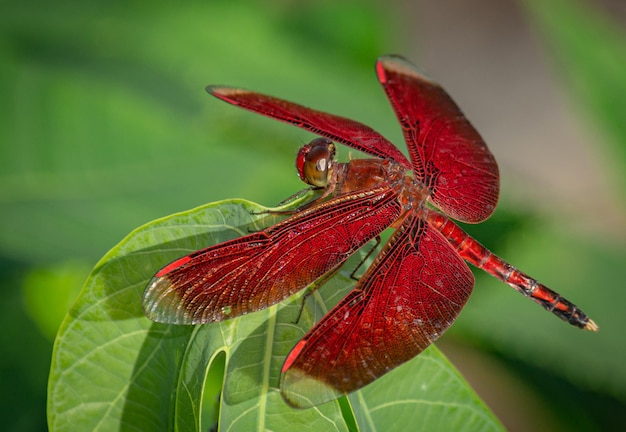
(369,253)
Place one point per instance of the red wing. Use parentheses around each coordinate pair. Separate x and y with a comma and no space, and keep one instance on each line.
(406,300)
(339,129)
(258,270)
(447,153)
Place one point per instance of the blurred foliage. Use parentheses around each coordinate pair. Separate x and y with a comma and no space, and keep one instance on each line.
(567,368)
(106,125)
(564,367)
(49,292)
(589,50)
(24,357)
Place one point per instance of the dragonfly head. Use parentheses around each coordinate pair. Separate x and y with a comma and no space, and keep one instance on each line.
(314,162)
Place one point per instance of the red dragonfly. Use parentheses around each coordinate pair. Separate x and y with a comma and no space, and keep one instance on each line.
(418,283)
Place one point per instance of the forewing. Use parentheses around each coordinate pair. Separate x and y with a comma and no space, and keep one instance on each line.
(338,129)
(406,300)
(447,153)
(258,270)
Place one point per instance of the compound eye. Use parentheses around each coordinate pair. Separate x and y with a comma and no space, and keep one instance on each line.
(314,162)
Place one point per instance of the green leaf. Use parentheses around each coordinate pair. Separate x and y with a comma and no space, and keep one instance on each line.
(112,368)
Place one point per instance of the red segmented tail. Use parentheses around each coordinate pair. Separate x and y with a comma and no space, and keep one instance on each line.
(481,257)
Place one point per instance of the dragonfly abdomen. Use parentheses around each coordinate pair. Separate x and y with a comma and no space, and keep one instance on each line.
(481,257)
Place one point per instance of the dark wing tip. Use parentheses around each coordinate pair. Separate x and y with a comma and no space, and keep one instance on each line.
(162,303)
(399,65)
(225,93)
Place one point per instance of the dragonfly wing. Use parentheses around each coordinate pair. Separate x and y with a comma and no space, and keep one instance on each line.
(447,153)
(406,300)
(261,269)
(339,129)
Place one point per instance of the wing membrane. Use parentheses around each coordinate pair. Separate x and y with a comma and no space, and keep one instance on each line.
(339,129)
(405,301)
(447,153)
(258,270)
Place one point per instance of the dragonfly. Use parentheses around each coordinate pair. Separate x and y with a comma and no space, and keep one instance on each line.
(419,281)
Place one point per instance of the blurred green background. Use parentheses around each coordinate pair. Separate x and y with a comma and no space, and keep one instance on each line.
(105,126)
